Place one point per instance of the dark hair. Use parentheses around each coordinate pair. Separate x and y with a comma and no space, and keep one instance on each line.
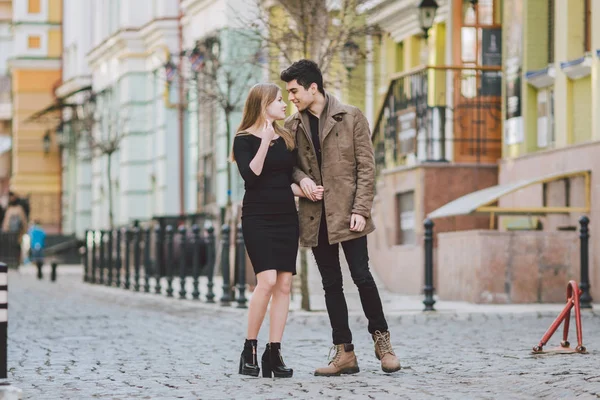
(305,72)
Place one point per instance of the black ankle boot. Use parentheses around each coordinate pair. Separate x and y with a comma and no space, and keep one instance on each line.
(272,362)
(249,359)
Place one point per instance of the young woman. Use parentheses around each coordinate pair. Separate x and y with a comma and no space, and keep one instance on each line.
(265,155)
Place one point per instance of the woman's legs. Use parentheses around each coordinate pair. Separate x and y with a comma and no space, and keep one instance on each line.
(257,309)
(280,306)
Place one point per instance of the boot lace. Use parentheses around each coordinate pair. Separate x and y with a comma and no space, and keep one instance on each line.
(336,357)
(383,343)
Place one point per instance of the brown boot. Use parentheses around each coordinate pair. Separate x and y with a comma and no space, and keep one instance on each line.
(384,352)
(343,362)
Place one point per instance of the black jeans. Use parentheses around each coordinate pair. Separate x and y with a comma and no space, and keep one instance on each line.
(328,261)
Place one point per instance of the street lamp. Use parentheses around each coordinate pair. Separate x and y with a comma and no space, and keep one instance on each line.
(46,142)
(427,10)
(349,55)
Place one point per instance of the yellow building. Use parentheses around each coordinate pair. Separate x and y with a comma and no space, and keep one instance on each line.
(35,70)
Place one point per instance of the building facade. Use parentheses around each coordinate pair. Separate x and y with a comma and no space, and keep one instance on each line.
(437,128)
(35,71)
(552,116)
(6,51)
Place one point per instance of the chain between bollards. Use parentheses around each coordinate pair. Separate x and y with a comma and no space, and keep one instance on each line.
(428,245)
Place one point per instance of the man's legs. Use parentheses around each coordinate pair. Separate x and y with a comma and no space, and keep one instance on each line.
(328,261)
(357,256)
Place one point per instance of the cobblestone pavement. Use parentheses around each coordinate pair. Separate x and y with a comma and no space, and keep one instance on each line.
(70,340)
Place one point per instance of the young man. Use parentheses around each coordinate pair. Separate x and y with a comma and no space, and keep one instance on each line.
(335,151)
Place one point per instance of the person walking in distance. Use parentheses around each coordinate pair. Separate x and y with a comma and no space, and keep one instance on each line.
(335,151)
(265,154)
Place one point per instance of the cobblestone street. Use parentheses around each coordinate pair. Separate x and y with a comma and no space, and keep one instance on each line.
(70,340)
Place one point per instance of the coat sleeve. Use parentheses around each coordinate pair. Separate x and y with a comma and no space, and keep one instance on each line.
(297,173)
(243,154)
(365,165)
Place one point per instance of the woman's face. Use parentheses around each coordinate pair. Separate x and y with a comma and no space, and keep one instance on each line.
(276,110)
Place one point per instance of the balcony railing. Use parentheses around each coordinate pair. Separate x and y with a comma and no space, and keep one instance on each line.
(450,114)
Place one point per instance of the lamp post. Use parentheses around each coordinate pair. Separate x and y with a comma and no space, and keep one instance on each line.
(427,10)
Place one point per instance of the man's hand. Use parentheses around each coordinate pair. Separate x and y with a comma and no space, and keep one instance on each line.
(308,187)
(357,223)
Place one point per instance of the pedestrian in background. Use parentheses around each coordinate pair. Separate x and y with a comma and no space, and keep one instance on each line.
(335,150)
(37,242)
(265,154)
(15,221)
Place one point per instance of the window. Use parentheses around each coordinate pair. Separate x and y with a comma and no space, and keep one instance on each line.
(550,31)
(587,25)
(34,7)
(545,118)
(405,218)
(34,42)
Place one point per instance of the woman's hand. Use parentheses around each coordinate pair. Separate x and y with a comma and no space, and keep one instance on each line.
(268,132)
(317,193)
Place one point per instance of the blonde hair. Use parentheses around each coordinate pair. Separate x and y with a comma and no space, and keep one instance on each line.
(259,98)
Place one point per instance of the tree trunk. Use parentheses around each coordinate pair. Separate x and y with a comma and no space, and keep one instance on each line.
(305,293)
(111,221)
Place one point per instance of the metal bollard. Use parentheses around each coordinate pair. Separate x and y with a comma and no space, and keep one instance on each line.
(211,252)
(226,297)
(85,256)
(182,265)
(169,261)
(102,258)
(94,254)
(3,320)
(196,241)
(147,260)
(39,264)
(240,258)
(109,280)
(118,259)
(584,283)
(53,267)
(136,258)
(158,257)
(429,301)
(127,232)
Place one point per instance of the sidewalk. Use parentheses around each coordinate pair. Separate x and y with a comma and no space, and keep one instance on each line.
(393,303)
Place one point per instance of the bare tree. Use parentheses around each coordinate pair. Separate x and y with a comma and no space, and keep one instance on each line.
(103,135)
(222,83)
(315,29)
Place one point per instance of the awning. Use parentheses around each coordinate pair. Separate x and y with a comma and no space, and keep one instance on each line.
(482,201)
(56,105)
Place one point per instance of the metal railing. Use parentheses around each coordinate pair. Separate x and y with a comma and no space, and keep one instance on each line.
(440,114)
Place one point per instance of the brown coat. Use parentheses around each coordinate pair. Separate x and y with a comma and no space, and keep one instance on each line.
(348,171)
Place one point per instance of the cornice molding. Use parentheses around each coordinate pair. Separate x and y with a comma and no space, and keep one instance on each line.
(399,18)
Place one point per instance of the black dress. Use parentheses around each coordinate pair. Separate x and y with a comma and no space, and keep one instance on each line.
(269,216)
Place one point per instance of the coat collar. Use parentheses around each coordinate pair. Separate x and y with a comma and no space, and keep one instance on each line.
(333,110)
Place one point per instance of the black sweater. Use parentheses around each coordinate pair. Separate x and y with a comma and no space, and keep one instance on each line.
(270,192)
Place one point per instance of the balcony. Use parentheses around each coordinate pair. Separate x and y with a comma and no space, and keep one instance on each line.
(440,114)
(5,98)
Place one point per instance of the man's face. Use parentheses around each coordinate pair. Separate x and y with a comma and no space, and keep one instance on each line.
(302,98)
